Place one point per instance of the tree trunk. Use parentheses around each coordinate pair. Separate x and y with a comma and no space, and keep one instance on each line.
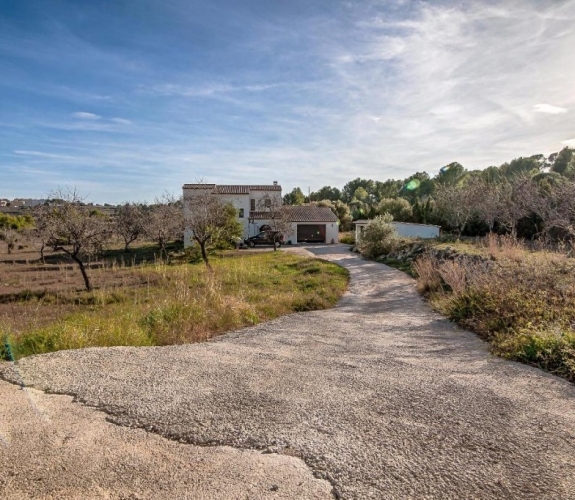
(83,271)
(204,254)
(163,252)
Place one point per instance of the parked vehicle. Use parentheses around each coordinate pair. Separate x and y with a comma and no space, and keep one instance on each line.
(265,238)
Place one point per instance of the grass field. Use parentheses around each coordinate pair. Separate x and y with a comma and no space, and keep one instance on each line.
(43,307)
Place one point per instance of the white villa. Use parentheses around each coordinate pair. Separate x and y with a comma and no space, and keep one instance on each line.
(309,224)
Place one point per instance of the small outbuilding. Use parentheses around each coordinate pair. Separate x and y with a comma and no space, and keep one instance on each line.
(406,229)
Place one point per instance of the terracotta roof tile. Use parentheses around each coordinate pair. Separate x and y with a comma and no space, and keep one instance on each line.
(304,213)
(311,213)
(260,215)
(234,188)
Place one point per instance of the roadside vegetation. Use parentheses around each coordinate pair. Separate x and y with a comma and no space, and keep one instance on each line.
(517,295)
(520,300)
(162,304)
(506,265)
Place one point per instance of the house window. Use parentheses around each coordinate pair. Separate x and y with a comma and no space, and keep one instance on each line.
(268,203)
(241,213)
(252,205)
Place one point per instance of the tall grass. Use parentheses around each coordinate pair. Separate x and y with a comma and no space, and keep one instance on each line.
(181,303)
(522,301)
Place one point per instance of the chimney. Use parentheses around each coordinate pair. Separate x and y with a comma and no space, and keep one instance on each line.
(275,183)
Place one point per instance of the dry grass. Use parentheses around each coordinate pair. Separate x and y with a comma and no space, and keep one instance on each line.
(523,301)
(347,237)
(159,304)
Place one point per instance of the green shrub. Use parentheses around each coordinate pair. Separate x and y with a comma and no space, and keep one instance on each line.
(378,237)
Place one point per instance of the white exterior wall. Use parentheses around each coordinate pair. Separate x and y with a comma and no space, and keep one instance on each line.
(293,233)
(239,201)
(332,232)
(407,230)
(358,230)
(416,230)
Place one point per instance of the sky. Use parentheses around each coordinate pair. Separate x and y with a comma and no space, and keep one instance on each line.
(127,99)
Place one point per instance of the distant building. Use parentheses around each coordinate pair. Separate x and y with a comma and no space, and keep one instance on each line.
(26,202)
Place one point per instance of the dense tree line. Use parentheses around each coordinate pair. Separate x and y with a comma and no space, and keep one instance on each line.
(528,196)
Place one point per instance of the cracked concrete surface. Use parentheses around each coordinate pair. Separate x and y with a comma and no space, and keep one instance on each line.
(51,448)
(380,396)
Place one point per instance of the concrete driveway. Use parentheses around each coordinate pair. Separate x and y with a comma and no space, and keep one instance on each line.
(379,396)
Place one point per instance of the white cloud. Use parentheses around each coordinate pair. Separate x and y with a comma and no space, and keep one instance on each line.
(82,115)
(549,109)
(454,82)
(206,90)
(569,142)
(40,154)
(122,121)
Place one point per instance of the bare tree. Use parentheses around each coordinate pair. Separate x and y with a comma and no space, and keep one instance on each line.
(210,220)
(10,236)
(519,197)
(558,209)
(40,234)
(277,216)
(74,228)
(491,203)
(163,222)
(458,203)
(129,221)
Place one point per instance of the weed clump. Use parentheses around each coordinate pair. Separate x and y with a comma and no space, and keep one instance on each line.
(521,301)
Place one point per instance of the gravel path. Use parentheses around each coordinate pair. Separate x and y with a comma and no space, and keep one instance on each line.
(380,396)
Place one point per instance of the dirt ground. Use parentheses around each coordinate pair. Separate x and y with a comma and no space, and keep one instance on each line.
(27,282)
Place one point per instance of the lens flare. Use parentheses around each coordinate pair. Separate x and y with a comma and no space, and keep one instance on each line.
(413,184)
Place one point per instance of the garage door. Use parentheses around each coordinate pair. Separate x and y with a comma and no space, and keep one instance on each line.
(311,233)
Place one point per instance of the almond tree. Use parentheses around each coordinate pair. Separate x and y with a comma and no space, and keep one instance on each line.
(520,197)
(74,228)
(211,221)
(163,222)
(559,210)
(129,220)
(458,203)
(277,216)
(491,203)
